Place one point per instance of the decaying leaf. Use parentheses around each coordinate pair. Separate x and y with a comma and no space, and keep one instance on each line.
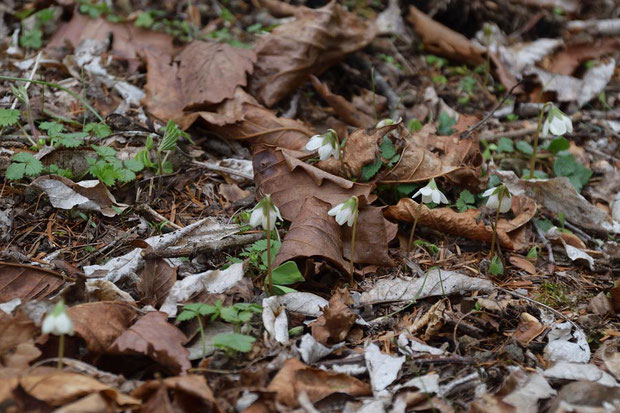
(91,195)
(372,236)
(15,330)
(27,282)
(313,234)
(154,337)
(317,39)
(202,75)
(295,377)
(156,280)
(466,224)
(382,368)
(101,323)
(435,282)
(346,111)
(337,319)
(191,391)
(290,182)
(528,329)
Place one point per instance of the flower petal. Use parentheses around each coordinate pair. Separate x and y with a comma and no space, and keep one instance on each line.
(569,124)
(493,202)
(436,197)
(332,212)
(505,205)
(324,152)
(314,143)
(545,128)
(557,126)
(443,198)
(256,217)
(342,216)
(427,199)
(416,194)
(426,190)
(48,326)
(489,191)
(351,220)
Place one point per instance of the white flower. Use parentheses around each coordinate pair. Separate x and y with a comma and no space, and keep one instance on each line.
(327,144)
(345,212)
(557,122)
(493,201)
(259,214)
(57,321)
(430,193)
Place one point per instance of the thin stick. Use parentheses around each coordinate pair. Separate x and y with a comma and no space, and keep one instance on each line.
(268,232)
(533,160)
(61,350)
(351,267)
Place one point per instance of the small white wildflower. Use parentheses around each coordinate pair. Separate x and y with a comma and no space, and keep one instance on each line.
(493,201)
(557,122)
(327,145)
(57,321)
(259,213)
(345,212)
(430,193)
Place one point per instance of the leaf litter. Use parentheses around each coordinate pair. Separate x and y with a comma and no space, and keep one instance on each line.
(142,136)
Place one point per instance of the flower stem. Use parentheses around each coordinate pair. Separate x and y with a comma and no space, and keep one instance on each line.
(353,231)
(268,232)
(533,159)
(61,350)
(202,338)
(499,204)
(415,223)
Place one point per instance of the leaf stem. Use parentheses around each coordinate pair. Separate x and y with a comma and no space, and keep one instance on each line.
(415,223)
(202,337)
(353,231)
(535,148)
(61,350)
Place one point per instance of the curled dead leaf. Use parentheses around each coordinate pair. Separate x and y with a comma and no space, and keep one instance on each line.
(466,224)
(336,321)
(373,234)
(346,111)
(317,39)
(191,391)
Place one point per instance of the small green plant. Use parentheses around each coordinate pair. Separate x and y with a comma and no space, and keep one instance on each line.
(285,274)
(59,138)
(532,254)
(24,164)
(388,157)
(232,342)
(446,122)
(94,9)
(566,165)
(505,145)
(390,60)
(166,146)
(256,254)
(414,125)
(467,86)
(32,38)
(465,201)
(553,294)
(108,168)
(9,117)
(440,79)
(437,61)
(496,267)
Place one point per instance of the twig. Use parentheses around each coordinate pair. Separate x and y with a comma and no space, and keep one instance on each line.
(509,134)
(223,169)
(546,244)
(484,120)
(154,214)
(193,250)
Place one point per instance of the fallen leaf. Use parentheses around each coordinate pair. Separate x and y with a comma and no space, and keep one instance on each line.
(382,368)
(154,337)
(101,323)
(27,282)
(315,40)
(345,110)
(168,395)
(436,282)
(568,60)
(466,224)
(336,321)
(128,42)
(564,370)
(22,356)
(524,391)
(90,195)
(232,193)
(295,377)
(587,396)
(290,182)
(523,264)
(156,280)
(441,40)
(57,388)
(528,329)
(313,234)
(201,75)
(15,330)
(372,236)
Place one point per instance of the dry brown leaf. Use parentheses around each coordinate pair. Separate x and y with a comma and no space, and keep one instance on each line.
(569,59)
(154,337)
(15,330)
(202,75)
(128,41)
(313,234)
(278,8)
(523,264)
(345,110)
(57,388)
(441,40)
(290,182)
(336,321)
(317,39)
(295,377)
(372,236)
(27,282)
(466,224)
(189,393)
(22,356)
(156,280)
(101,323)
(528,329)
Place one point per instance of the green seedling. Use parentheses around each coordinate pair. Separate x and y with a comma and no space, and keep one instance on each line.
(465,201)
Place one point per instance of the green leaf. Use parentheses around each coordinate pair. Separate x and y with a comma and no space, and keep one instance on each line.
(234,341)
(145,19)
(496,267)
(104,171)
(101,130)
(405,189)
(281,290)
(414,125)
(32,39)
(125,175)
(133,165)
(524,147)
(286,274)
(15,171)
(33,165)
(533,253)
(465,201)
(388,151)
(370,170)
(445,124)
(53,128)
(9,117)
(72,140)
(567,165)
(525,174)
(505,145)
(171,135)
(558,145)
(186,315)
(104,151)
(143,158)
